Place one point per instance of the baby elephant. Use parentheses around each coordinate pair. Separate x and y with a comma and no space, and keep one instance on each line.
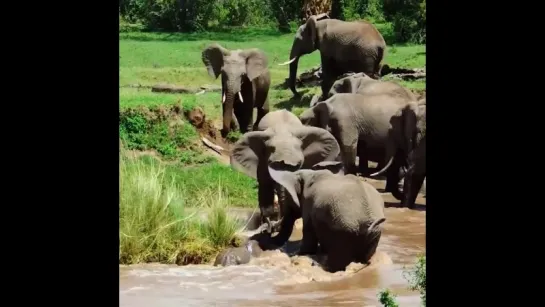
(238,255)
(340,212)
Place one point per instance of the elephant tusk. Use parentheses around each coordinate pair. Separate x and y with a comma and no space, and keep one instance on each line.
(288,62)
(384,169)
(269,225)
(240,96)
(223,98)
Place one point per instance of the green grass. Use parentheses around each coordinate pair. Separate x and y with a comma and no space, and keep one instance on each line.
(153,225)
(192,178)
(416,276)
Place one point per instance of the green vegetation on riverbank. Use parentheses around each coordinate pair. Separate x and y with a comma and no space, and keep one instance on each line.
(164,166)
(417,282)
(154,225)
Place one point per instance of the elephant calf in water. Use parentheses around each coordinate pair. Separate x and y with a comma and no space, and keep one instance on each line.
(340,212)
(238,255)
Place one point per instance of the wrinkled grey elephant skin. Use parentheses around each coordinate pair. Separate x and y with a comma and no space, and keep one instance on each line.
(245,82)
(380,121)
(344,46)
(282,143)
(341,213)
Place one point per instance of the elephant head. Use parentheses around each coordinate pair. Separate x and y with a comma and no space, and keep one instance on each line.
(292,181)
(316,116)
(282,148)
(235,67)
(307,40)
(348,84)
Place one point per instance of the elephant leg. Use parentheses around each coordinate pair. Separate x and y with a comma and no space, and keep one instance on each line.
(412,185)
(363,166)
(234,120)
(244,114)
(328,75)
(365,251)
(392,176)
(309,246)
(261,112)
(340,252)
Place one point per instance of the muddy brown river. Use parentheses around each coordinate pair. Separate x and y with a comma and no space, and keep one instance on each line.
(275,279)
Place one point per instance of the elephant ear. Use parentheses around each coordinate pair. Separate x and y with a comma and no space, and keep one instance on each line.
(256,63)
(248,150)
(321,113)
(320,16)
(336,167)
(318,145)
(311,26)
(289,180)
(212,57)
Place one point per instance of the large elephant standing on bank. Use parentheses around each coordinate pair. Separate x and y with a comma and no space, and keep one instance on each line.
(355,46)
(341,213)
(381,121)
(245,83)
(281,143)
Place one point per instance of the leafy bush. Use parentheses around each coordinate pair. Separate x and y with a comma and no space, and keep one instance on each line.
(408,18)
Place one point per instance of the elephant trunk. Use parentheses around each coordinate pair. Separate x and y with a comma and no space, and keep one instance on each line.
(293,74)
(228,110)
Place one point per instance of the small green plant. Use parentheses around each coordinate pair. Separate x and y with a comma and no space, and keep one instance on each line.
(233,136)
(417,282)
(417,278)
(387,298)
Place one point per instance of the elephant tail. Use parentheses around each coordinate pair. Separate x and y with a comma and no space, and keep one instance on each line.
(384,169)
(375,224)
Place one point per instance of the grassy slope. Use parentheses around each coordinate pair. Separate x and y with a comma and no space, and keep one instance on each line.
(150,58)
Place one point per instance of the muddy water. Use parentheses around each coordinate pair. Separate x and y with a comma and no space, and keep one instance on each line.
(275,279)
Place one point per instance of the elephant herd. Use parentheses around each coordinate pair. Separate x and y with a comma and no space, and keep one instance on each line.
(310,160)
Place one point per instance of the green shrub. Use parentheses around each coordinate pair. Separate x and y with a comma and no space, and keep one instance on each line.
(408,18)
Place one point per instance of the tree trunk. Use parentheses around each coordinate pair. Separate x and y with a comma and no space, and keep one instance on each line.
(315,7)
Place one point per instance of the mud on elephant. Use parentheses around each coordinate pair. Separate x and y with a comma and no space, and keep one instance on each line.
(245,82)
(380,121)
(341,213)
(283,144)
(355,46)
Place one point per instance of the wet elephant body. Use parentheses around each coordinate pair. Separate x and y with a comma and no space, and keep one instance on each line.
(281,142)
(341,214)
(245,80)
(381,121)
(355,46)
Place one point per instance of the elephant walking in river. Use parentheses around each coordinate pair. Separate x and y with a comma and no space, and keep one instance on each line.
(282,143)
(340,212)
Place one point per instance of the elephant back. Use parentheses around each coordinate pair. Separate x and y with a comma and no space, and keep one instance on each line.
(282,117)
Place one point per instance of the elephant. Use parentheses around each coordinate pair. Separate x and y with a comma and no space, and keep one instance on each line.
(281,142)
(365,85)
(238,255)
(243,72)
(340,212)
(345,46)
(416,173)
(380,121)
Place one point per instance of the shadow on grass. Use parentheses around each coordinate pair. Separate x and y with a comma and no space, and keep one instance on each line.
(296,102)
(229,34)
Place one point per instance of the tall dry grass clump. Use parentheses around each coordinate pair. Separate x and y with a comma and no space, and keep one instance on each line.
(154,225)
